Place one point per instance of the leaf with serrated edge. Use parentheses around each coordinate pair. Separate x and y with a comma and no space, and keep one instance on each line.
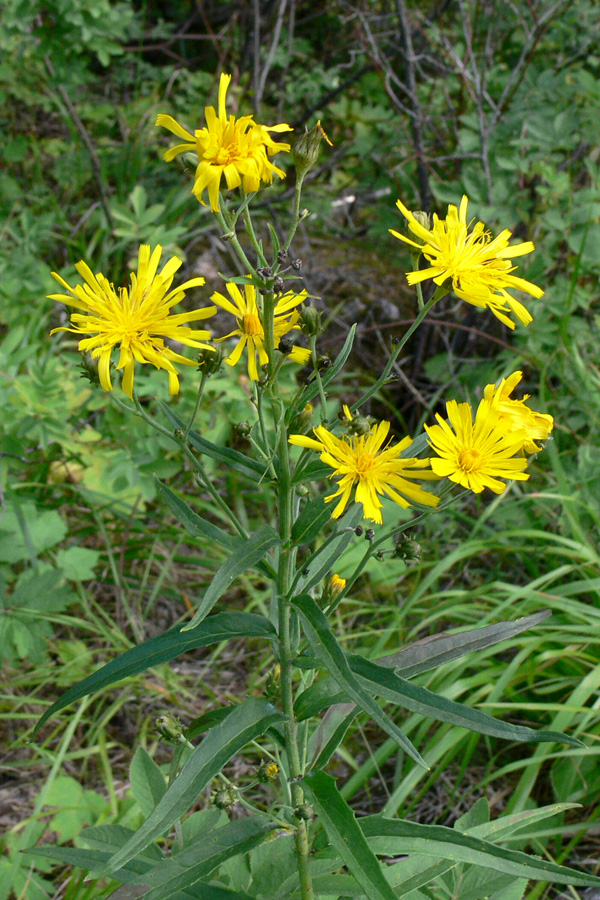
(324,645)
(251,719)
(163,648)
(346,836)
(245,557)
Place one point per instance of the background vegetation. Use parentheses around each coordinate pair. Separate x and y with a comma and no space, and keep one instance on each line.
(423,101)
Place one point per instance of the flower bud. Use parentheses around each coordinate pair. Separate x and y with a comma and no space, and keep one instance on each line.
(423,218)
(210,359)
(306,149)
(303,419)
(243,429)
(335,586)
(310,321)
(223,799)
(304,811)
(285,345)
(169,727)
(89,368)
(267,772)
(360,425)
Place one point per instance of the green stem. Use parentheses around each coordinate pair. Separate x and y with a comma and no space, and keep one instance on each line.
(397,351)
(322,396)
(228,227)
(190,424)
(252,236)
(284,577)
(269,329)
(296,214)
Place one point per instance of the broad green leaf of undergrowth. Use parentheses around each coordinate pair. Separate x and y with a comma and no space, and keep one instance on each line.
(245,557)
(247,722)
(163,648)
(324,645)
(346,836)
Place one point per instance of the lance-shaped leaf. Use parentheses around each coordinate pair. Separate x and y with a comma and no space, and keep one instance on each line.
(163,648)
(204,856)
(324,645)
(437,649)
(245,557)
(310,391)
(390,686)
(330,733)
(346,836)
(233,459)
(446,843)
(251,719)
(311,521)
(319,564)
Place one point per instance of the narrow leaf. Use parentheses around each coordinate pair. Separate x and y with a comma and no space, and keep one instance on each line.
(195,524)
(163,648)
(311,521)
(346,836)
(317,697)
(310,391)
(244,724)
(243,464)
(437,649)
(245,557)
(420,700)
(325,646)
(204,856)
(330,733)
(274,240)
(94,860)
(446,843)
(319,564)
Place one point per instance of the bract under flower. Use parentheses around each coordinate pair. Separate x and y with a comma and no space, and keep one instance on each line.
(136,319)
(235,149)
(479,266)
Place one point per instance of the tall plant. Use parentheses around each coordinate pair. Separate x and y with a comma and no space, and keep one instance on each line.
(305,841)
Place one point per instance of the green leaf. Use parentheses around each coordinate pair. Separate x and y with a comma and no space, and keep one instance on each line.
(195,524)
(274,240)
(434,651)
(147,781)
(446,843)
(243,464)
(317,697)
(319,564)
(205,855)
(247,722)
(311,521)
(77,563)
(390,686)
(310,391)
(162,648)
(330,733)
(94,860)
(346,836)
(245,557)
(324,645)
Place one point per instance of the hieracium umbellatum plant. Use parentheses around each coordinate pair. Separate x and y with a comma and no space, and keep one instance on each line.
(336,480)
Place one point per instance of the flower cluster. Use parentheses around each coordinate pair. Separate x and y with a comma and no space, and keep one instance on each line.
(479,266)
(235,149)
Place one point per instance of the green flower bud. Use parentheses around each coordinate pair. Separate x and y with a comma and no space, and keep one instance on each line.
(310,321)
(169,727)
(210,359)
(306,149)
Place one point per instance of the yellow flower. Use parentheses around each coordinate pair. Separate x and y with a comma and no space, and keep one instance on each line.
(537,426)
(250,329)
(335,585)
(360,461)
(480,266)
(136,319)
(477,454)
(237,149)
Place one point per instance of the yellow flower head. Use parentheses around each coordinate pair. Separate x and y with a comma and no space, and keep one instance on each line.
(336,585)
(250,329)
(476,454)
(136,319)
(236,149)
(536,426)
(479,266)
(360,461)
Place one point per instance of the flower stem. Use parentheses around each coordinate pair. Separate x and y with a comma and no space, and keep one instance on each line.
(296,214)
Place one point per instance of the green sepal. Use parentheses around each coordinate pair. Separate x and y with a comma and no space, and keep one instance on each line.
(245,557)
(163,648)
(324,645)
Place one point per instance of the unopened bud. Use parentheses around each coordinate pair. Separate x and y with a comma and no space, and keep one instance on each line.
(285,346)
(360,425)
(267,772)
(369,534)
(223,799)
(243,429)
(310,321)
(304,811)
(335,586)
(210,359)
(169,727)
(306,149)
(423,218)
(296,264)
(278,284)
(303,419)
(89,368)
